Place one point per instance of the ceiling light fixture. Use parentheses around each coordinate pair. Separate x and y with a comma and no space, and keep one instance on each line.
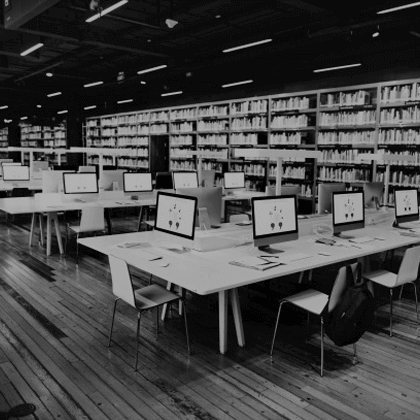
(252,44)
(125,101)
(7,121)
(394,9)
(337,68)
(32,49)
(64,111)
(171,23)
(86,108)
(23,118)
(4,106)
(243,82)
(143,82)
(49,74)
(50,95)
(376,33)
(88,85)
(39,106)
(152,69)
(106,11)
(179,92)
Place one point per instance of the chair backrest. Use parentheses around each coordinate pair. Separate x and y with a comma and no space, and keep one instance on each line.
(238,218)
(122,286)
(92,219)
(21,192)
(163,180)
(409,266)
(339,286)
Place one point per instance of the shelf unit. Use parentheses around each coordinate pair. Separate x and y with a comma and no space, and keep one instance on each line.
(341,123)
(4,141)
(47,137)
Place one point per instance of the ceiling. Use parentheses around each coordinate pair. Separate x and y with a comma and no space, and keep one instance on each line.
(305,35)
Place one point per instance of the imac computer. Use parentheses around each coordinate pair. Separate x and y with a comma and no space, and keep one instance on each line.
(274,221)
(83,183)
(175,215)
(209,198)
(111,180)
(135,182)
(324,195)
(373,194)
(13,173)
(406,205)
(163,181)
(185,179)
(234,180)
(348,212)
(6,162)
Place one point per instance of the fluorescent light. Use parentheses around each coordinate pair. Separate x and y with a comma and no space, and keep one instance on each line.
(50,95)
(152,69)
(394,9)
(143,82)
(49,74)
(64,111)
(106,11)
(86,108)
(243,82)
(125,101)
(252,44)
(39,106)
(179,92)
(32,49)
(23,118)
(4,107)
(337,68)
(93,84)
(7,121)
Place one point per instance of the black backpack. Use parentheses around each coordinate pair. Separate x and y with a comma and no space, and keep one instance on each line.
(354,312)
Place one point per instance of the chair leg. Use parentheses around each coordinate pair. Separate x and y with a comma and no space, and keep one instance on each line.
(157,321)
(390,312)
(77,249)
(322,346)
(186,325)
(137,344)
(417,306)
(354,354)
(401,290)
(275,328)
(112,322)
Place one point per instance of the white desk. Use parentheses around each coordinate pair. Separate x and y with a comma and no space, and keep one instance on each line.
(210,272)
(25,205)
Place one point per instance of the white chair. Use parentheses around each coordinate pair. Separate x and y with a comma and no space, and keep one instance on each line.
(92,220)
(148,297)
(407,273)
(318,303)
(238,218)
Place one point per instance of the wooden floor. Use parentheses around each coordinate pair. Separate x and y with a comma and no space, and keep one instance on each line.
(54,323)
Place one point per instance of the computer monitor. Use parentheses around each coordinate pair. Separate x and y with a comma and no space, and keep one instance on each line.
(52,181)
(209,198)
(83,183)
(348,211)
(373,193)
(234,180)
(324,195)
(87,168)
(15,172)
(406,205)
(285,190)
(175,214)
(137,182)
(111,180)
(274,221)
(164,181)
(185,179)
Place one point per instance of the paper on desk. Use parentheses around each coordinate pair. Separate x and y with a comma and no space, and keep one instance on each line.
(140,245)
(255,263)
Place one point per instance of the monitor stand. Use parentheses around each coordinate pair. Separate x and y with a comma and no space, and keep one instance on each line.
(396,225)
(268,250)
(341,236)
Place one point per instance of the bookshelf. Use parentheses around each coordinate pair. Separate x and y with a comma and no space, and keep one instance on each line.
(4,141)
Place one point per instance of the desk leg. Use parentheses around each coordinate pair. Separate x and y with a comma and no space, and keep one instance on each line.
(140,217)
(108,221)
(41,229)
(165,306)
(49,218)
(32,233)
(58,233)
(223,320)
(237,316)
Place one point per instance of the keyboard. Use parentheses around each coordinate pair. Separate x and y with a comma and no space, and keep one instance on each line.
(362,239)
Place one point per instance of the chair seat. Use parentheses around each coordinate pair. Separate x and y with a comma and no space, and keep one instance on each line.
(78,230)
(384,277)
(310,300)
(151,296)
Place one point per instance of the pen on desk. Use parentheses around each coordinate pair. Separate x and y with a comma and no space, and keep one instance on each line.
(355,246)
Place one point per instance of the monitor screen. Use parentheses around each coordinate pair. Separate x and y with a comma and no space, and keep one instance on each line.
(83,183)
(15,172)
(348,211)
(209,198)
(406,205)
(183,179)
(274,220)
(234,180)
(137,182)
(324,196)
(175,214)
